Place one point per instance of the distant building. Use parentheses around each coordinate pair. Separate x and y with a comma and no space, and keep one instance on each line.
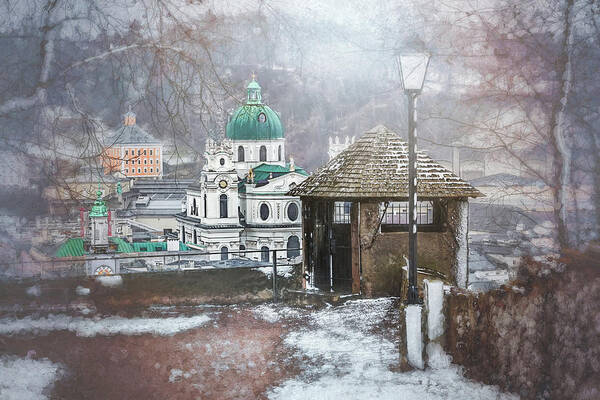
(240,202)
(104,253)
(149,208)
(336,147)
(133,152)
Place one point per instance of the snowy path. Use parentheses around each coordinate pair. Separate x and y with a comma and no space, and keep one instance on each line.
(23,378)
(347,355)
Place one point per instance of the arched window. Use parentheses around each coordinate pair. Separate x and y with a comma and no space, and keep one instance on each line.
(264,254)
(195,237)
(205,205)
(262,153)
(223,206)
(279,153)
(264,211)
(224,253)
(292,212)
(194,210)
(183,233)
(293,247)
(241,155)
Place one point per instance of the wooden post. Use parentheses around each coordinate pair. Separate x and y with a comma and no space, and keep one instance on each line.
(305,242)
(355,244)
(275,276)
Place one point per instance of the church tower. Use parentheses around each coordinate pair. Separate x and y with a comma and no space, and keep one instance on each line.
(99,224)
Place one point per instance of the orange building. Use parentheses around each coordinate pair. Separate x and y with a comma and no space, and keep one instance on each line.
(132,151)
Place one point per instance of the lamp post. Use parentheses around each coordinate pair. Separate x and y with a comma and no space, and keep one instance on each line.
(413,68)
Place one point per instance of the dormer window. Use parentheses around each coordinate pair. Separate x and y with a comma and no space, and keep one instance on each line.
(262,118)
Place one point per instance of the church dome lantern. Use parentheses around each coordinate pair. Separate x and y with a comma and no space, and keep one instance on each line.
(254,120)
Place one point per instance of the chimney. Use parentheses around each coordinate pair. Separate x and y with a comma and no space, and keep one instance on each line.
(292,165)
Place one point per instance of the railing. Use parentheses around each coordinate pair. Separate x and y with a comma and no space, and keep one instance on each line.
(151,262)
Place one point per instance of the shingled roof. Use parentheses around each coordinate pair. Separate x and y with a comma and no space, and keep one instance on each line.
(376,166)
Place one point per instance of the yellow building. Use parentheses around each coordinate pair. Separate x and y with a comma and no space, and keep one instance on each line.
(132,151)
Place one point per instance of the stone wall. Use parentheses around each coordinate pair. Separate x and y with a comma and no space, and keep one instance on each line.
(540,338)
(218,286)
(382,259)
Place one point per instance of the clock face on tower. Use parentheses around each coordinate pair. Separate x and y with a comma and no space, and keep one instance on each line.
(223,184)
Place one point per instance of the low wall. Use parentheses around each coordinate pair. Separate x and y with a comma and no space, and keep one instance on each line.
(218,286)
(539,338)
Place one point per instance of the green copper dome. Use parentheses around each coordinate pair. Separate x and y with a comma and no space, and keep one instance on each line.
(99,207)
(254,120)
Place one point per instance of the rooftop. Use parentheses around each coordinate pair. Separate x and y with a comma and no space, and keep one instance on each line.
(131,134)
(376,166)
(74,247)
(264,172)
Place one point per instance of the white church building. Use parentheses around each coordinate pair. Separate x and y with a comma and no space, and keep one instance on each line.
(239,203)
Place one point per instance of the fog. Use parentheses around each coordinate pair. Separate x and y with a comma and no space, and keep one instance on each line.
(510,90)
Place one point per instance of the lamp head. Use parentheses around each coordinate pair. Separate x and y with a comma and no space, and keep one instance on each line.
(413,68)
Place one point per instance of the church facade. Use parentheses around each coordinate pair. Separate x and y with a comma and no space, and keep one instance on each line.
(239,203)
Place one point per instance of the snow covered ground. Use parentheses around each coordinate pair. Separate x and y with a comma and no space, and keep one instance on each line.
(347,355)
(23,378)
(348,351)
(101,326)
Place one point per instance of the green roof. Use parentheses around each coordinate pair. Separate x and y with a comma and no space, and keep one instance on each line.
(262,172)
(74,247)
(71,248)
(247,122)
(123,246)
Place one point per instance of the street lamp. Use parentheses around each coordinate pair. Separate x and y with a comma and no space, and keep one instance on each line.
(413,68)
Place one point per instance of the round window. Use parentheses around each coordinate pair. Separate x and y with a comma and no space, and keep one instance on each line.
(222,161)
(262,118)
(264,212)
(292,212)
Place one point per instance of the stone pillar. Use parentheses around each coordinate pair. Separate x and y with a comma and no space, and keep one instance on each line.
(369,217)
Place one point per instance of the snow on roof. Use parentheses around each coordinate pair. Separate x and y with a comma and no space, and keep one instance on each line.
(376,166)
(133,135)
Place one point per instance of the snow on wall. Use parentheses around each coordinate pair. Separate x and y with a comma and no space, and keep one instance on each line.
(414,336)
(110,280)
(462,252)
(89,327)
(435,304)
(437,357)
(23,378)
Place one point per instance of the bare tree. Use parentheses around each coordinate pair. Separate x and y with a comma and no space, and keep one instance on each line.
(76,64)
(521,56)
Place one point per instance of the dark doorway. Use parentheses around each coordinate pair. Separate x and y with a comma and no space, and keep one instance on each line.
(342,258)
(329,246)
